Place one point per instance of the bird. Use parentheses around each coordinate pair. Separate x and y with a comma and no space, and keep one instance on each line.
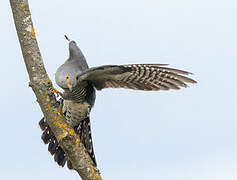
(80,83)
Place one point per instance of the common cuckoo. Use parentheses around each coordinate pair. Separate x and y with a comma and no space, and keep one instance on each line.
(79,83)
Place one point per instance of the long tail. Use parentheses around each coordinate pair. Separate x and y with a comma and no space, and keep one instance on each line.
(53,147)
(84,132)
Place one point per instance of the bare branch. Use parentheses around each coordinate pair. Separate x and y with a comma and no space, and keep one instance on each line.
(41,85)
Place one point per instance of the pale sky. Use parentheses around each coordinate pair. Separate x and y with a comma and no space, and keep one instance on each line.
(188,134)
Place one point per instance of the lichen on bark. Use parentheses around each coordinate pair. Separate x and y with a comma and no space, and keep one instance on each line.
(42,85)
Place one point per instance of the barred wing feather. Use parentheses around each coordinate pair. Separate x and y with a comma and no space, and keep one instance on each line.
(136,76)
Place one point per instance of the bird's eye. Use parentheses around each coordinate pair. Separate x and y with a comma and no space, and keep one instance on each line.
(67,77)
(77,78)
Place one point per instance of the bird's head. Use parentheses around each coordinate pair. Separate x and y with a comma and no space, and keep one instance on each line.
(69,82)
(66,74)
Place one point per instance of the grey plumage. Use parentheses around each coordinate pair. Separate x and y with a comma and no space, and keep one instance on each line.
(79,83)
(75,64)
(76,105)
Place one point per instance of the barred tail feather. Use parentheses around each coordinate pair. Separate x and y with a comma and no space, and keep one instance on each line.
(53,147)
(84,132)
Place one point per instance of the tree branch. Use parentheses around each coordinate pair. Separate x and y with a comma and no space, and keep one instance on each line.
(41,85)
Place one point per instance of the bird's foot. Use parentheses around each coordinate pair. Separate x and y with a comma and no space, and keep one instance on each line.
(60,108)
(57,92)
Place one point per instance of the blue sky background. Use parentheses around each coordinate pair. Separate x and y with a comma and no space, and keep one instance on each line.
(176,135)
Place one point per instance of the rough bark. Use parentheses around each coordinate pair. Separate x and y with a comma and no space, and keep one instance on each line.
(41,85)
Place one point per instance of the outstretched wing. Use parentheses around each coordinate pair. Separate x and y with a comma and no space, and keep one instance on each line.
(136,76)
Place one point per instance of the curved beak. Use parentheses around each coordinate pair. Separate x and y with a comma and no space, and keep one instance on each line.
(69,85)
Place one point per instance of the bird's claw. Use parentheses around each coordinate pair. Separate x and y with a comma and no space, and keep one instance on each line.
(58,93)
